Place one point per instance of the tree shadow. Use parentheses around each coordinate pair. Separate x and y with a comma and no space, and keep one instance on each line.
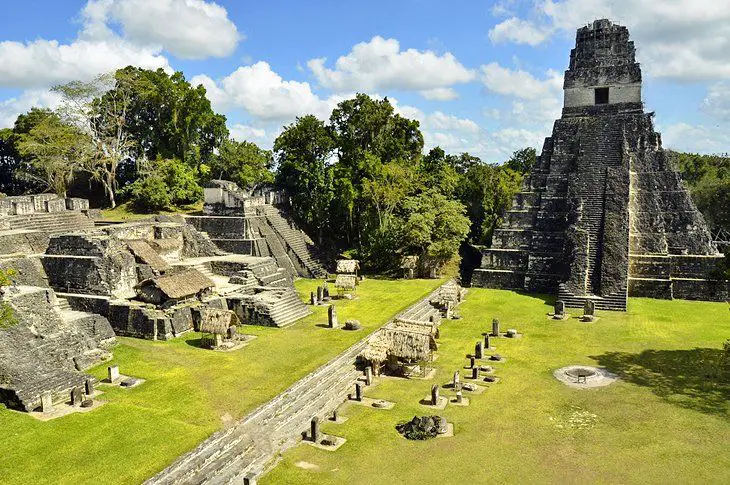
(687,378)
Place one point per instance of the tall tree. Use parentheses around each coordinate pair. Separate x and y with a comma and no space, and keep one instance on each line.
(302,152)
(55,150)
(104,122)
(434,227)
(243,163)
(168,117)
(522,160)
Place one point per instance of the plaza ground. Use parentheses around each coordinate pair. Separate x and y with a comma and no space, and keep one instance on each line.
(666,421)
(189,393)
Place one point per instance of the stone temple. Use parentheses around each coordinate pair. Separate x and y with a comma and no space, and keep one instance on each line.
(603,214)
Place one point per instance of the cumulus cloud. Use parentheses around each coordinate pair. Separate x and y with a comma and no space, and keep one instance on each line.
(46,62)
(381,64)
(518,31)
(717,102)
(439,94)
(520,84)
(191,29)
(265,95)
(39,98)
(687,40)
(695,138)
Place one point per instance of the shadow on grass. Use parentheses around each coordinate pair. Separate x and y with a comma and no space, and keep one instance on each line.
(195,342)
(686,378)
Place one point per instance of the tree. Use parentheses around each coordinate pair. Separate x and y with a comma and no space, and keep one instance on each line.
(17,174)
(55,150)
(170,183)
(522,160)
(168,117)
(302,153)
(243,163)
(439,171)
(368,136)
(105,123)
(487,192)
(434,227)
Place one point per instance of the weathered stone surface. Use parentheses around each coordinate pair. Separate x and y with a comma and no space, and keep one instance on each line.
(423,428)
(43,352)
(603,202)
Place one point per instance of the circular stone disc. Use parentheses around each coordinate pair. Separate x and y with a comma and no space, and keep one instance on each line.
(584,376)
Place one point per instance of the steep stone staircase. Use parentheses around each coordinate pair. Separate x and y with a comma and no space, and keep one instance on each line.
(296,240)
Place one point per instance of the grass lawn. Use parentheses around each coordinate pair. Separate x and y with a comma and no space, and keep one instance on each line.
(664,422)
(126,213)
(189,394)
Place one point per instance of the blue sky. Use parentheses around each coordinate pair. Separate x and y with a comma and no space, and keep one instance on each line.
(481,76)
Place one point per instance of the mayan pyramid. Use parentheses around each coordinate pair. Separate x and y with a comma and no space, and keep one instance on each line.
(603,214)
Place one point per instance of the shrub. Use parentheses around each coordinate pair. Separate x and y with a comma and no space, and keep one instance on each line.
(150,193)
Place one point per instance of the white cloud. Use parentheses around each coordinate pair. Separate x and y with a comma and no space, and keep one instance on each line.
(687,40)
(263,94)
(717,101)
(696,138)
(520,84)
(381,64)
(439,94)
(45,62)
(441,121)
(191,29)
(243,132)
(39,98)
(518,31)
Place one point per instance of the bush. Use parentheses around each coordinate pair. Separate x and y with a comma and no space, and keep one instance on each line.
(170,183)
(150,194)
(181,181)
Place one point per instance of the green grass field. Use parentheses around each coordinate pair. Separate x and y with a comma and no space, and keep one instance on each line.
(666,421)
(189,394)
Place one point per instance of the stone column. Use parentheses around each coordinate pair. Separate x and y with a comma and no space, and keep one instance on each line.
(457,379)
(326,292)
(479,350)
(249,479)
(434,395)
(314,431)
(334,416)
(77,395)
(368,376)
(358,392)
(559,308)
(47,402)
(495,327)
(312,298)
(487,345)
(332,317)
(448,310)
(475,373)
(472,362)
(589,309)
(89,387)
(320,295)
(113,373)
(459,397)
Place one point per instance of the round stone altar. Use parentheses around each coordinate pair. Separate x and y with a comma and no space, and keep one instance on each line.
(584,376)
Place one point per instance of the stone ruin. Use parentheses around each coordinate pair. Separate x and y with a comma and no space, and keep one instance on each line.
(423,427)
(253,224)
(151,279)
(603,214)
(45,346)
(78,285)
